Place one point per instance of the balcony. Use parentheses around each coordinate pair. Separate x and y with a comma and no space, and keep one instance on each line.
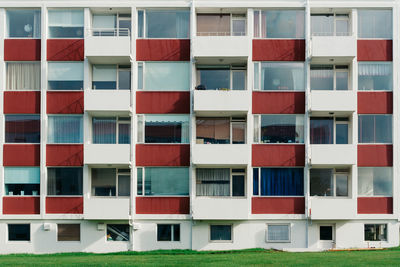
(340,47)
(328,208)
(220,208)
(221,154)
(109,46)
(107,153)
(98,208)
(333,154)
(208,102)
(221,46)
(107,100)
(340,102)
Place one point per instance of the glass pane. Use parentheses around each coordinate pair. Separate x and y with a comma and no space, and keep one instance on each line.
(104,182)
(238,185)
(238,80)
(256,24)
(23,23)
(375,232)
(104,77)
(342,133)
(215,79)
(167,24)
(375,24)
(19,232)
(22,181)
(139,181)
(375,76)
(375,129)
(124,27)
(117,232)
(124,185)
(65,23)
(321,182)
(140,23)
(124,133)
(124,80)
(341,185)
(326,233)
(104,130)
(278,232)
(166,129)
(282,76)
(212,131)
(164,232)
(221,232)
(140,76)
(282,129)
(213,182)
(68,232)
(64,181)
(383,129)
(65,76)
(167,76)
(375,181)
(239,27)
(283,23)
(256,84)
(166,181)
(342,80)
(322,24)
(321,130)
(177,232)
(238,132)
(342,27)
(22,129)
(321,77)
(213,25)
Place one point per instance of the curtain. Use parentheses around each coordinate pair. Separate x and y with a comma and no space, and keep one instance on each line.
(282,182)
(322,24)
(21,175)
(104,22)
(374,69)
(256,24)
(167,76)
(212,182)
(375,24)
(22,128)
(375,129)
(321,77)
(278,232)
(182,24)
(321,130)
(213,24)
(264,33)
(282,76)
(104,130)
(213,131)
(23,76)
(65,129)
(36,24)
(124,133)
(66,17)
(166,181)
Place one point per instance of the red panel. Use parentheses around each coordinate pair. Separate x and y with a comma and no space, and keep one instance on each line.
(374,50)
(22,49)
(21,205)
(21,155)
(162,102)
(65,50)
(163,50)
(21,102)
(278,155)
(375,205)
(162,205)
(64,205)
(65,102)
(279,50)
(277,205)
(279,102)
(162,155)
(64,155)
(375,102)
(374,155)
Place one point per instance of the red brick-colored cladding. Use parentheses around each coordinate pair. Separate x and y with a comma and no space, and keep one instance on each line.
(64,155)
(21,205)
(64,205)
(162,205)
(374,50)
(65,50)
(22,49)
(65,102)
(162,155)
(21,155)
(279,103)
(374,102)
(264,155)
(375,205)
(374,155)
(277,205)
(21,102)
(163,50)
(279,50)
(162,102)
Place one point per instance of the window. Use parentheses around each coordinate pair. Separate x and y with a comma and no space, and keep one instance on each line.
(329,77)
(64,181)
(279,128)
(66,23)
(163,24)
(23,23)
(19,232)
(279,24)
(22,129)
(111,25)
(278,182)
(163,181)
(221,232)
(220,130)
(375,181)
(163,129)
(221,24)
(111,130)
(168,232)
(375,129)
(111,182)
(65,129)
(68,232)
(330,24)
(111,77)
(117,232)
(219,77)
(279,76)
(375,232)
(220,182)
(375,24)
(65,76)
(376,76)
(329,182)
(278,233)
(22,76)
(22,181)
(327,130)
(164,76)
(326,232)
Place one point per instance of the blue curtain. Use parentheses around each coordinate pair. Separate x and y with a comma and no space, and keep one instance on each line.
(282,182)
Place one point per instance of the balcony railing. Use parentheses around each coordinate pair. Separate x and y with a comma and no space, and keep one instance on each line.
(221,34)
(332,34)
(109,32)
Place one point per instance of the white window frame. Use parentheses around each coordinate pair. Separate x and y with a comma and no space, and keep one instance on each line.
(118,172)
(232,121)
(171,225)
(337,16)
(118,122)
(337,68)
(335,173)
(221,241)
(289,227)
(118,69)
(335,123)
(239,17)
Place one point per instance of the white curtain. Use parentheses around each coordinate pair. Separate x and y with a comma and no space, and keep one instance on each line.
(212,182)
(182,24)
(167,76)
(374,69)
(23,76)
(104,130)
(278,233)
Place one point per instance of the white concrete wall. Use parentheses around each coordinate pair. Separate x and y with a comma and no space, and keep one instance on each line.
(220,208)
(107,100)
(217,101)
(334,46)
(117,46)
(333,154)
(107,153)
(344,102)
(220,154)
(333,208)
(106,208)
(220,46)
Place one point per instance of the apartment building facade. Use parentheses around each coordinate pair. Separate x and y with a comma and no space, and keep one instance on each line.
(205,125)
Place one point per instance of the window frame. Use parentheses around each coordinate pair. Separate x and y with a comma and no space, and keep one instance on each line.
(334,173)
(19,241)
(117,28)
(374,9)
(171,225)
(7,28)
(347,122)
(64,8)
(22,62)
(233,16)
(119,68)
(62,195)
(6,192)
(232,69)
(221,241)
(375,63)
(119,120)
(65,62)
(118,172)
(337,16)
(232,121)
(373,195)
(360,132)
(386,226)
(337,68)
(289,227)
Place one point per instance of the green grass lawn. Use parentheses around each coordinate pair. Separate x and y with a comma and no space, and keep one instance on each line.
(254,257)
